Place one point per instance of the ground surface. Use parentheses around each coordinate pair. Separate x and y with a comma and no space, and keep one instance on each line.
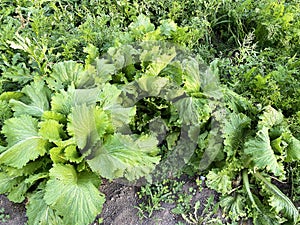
(118,209)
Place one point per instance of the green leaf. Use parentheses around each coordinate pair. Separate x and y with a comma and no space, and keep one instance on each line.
(86,96)
(122,156)
(52,115)
(8,182)
(72,195)
(234,132)
(109,100)
(236,102)
(109,96)
(160,62)
(104,70)
(192,111)
(83,126)
(39,213)
(8,95)
(92,53)
(219,181)
(24,142)
(123,58)
(234,206)
(72,154)
(65,74)
(63,101)
(101,121)
(279,200)
(57,155)
(152,85)
(5,111)
(262,153)
(271,117)
(17,194)
(191,75)
(39,96)
(167,27)
(293,150)
(141,26)
(51,130)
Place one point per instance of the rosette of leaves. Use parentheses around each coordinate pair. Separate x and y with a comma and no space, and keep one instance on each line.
(257,147)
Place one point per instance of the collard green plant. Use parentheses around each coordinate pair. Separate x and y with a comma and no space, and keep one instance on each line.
(66,131)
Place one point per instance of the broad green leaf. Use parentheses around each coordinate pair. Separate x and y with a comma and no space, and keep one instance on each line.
(39,96)
(35,177)
(279,200)
(236,102)
(262,153)
(83,126)
(191,75)
(39,213)
(30,168)
(63,101)
(5,111)
(17,194)
(293,150)
(210,85)
(213,149)
(160,62)
(271,117)
(65,74)
(52,115)
(234,206)
(219,181)
(192,111)
(121,116)
(167,27)
(86,96)
(104,70)
(72,154)
(2,149)
(24,143)
(72,195)
(141,26)
(8,95)
(152,85)
(92,53)
(8,182)
(123,58)
(51,130)
(233,132)
(122,156)
(101,121)
(57,155)
(109,96)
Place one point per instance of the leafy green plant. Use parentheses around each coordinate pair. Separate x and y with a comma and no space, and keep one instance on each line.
(262,155)
(66,130)
(206,214)
(3,216)
(153,196)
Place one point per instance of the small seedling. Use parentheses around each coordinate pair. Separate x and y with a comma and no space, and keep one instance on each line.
(3,216)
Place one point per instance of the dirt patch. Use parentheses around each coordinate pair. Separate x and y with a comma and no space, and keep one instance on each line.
(15,211)
(120,208)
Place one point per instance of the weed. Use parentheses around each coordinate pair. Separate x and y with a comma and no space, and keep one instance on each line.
(3,216)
